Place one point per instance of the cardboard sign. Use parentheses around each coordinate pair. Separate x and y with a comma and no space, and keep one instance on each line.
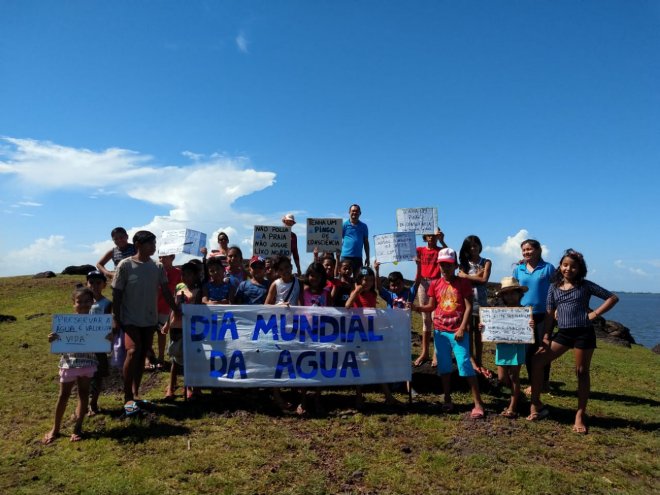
(81,333)
(270,240)
(181,241)
(418,220)
(397,246)
(276,346)
(324,234)
(507,325)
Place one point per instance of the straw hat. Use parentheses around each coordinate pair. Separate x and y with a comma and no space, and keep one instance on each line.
(509,284)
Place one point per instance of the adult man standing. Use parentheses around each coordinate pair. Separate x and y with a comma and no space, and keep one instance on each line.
(135,287)
(355,236)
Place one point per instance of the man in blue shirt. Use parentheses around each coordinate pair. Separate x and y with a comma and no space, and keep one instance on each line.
(355,236)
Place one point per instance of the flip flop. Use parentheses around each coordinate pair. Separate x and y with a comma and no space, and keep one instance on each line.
(417,363)
(49,438)
(477,413)
(76,437)
(542,413)
(508,413)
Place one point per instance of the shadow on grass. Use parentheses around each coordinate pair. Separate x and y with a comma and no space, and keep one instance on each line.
(567,416)
(609,397)
(140,430)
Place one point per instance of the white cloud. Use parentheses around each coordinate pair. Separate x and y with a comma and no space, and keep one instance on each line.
(242,42)
(622,265)
(29,203)
(198,196)
(50,253)
(508,253)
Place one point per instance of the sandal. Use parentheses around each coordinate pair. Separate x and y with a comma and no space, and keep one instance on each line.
(477,413)
(508,413)
(76,437)
(49,438)
(542,413)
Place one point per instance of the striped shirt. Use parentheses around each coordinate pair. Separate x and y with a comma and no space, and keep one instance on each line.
(572,305)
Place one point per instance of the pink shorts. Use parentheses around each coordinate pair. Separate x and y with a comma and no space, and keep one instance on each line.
(68,375)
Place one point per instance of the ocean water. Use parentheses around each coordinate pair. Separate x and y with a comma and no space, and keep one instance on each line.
(640,313)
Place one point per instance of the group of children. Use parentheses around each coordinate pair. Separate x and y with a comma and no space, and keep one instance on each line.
(450,290)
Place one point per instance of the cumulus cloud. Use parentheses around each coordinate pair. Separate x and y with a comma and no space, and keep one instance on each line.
(507,254)
(242,42)
(199,195)
(48,253)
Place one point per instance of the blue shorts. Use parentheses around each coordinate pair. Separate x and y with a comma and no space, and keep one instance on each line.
(510,354)
(445,344)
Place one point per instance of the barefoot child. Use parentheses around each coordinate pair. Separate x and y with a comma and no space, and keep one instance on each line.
(96,282)
(569,295)
(75,368)
(510,357)
(450,298)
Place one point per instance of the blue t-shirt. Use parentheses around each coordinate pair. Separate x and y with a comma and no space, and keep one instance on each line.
(250,293)
(537,283)
(353,238)
(395,300)
(217,292)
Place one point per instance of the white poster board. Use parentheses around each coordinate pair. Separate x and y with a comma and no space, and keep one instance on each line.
(507,325)
(81,333)
(276,346)
(181,241)
(324,234)
(269,240)
(397,246)
(418,220)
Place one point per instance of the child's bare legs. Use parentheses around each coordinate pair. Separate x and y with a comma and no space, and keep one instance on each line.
(136,339)
(513,381)
(95,386)
(359,398)
(582,365)
(81,408)
(427,327)
(279,400)
(544,357)
(62,400)
(476,395)
(445,378)
(389,398)
(171,387)
(162,340)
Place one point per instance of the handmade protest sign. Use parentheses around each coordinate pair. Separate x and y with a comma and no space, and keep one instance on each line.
(507,325)
(276,346)
(397,246)
(324,234)
(81,333)
(270,240)
(181,241)
(418,220)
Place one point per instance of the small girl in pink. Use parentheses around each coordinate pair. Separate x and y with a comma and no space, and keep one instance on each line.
(78,368)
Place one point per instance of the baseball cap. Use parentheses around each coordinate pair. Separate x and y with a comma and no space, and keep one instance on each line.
(257,259)
(447,255)
(96,274)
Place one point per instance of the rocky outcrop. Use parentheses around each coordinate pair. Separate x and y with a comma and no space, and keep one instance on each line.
(613,331)
(78,270)
(7,318)
(47,274)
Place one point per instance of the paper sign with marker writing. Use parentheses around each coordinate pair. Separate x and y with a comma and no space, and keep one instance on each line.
(324,234)
(507,325)
(271,240)
(81,333)
(397,246)
(418,220)
(277,346)
(181,241)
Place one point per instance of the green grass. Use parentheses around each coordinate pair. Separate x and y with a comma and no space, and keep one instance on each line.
(236,443)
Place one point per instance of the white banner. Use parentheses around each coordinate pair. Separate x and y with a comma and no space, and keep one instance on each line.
(181,241)
(418,220)
(81,333)
(324,234)
(397,246)
(270,240)
(507,325)
(276,346)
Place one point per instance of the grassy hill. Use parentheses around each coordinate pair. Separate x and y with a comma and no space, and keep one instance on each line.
(235,442)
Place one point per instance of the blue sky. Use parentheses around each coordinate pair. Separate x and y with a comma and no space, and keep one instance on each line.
(515,119)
